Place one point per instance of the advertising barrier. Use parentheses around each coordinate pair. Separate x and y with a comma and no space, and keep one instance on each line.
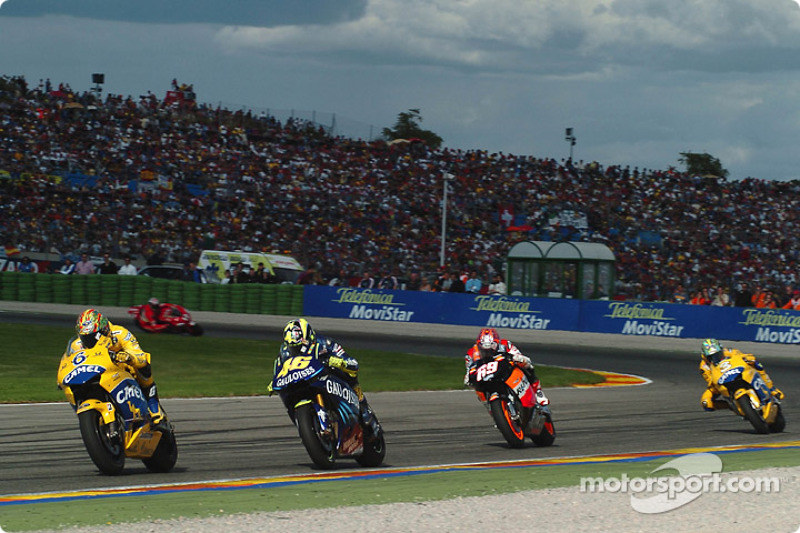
(595,316)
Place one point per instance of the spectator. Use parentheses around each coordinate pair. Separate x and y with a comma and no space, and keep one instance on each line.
(227,278)
(699,298)
(794,301)
(768,302)
(190,273)
(68,267)
(367,281)
(443,282)
(456,285)
(340,280)
(108,266)
(425,285)
(721,298)
(414,282)
(127,268)
(26,265)
(308,277)
(743,297)
(497,286)
(84,266)
(680,296)
(239,274)
(387,281)
(473,284)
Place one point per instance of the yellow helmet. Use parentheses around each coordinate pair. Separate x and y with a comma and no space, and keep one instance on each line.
(298,333)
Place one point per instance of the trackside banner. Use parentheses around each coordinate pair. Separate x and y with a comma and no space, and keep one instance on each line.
(626,318)
(437,308)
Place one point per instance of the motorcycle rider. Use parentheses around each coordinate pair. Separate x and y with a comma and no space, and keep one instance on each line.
(300,338)
(488,345)
(93,327)
(712,353)
(150,316)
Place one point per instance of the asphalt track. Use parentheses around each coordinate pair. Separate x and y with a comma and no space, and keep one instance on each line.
(41,448)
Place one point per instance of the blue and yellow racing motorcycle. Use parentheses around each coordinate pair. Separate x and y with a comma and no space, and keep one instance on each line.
(325,409)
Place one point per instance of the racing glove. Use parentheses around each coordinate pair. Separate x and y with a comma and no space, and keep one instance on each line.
(348,366)
(122,357)
(522,360)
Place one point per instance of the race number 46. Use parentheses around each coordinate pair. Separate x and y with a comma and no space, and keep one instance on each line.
(295,363)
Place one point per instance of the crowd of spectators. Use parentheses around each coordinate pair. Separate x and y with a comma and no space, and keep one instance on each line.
(350,209)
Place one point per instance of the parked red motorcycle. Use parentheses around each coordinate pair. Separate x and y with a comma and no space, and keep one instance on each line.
(155,317)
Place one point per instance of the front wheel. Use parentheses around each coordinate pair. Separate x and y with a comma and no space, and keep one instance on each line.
(373,453)
(107,451)
(753,416)
(508,426)
(166,454)
(321,450)
(195,330)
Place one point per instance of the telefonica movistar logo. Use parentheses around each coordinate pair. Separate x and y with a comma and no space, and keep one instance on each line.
(628,311)
(501,304)
(364,296)
(757,317)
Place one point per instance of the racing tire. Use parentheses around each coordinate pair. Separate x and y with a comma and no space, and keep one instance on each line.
(752,416)
(321,451)
(779,423)
(165,456)
(548,434)
(373,453)
(196,330)
(509,428)
(107,453)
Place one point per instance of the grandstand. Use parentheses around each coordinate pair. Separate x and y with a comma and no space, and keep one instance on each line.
(146,177)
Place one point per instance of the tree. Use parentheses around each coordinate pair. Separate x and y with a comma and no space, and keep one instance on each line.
(407,127)
(702,165)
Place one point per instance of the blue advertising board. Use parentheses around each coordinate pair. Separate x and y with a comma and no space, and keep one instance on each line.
(615,317)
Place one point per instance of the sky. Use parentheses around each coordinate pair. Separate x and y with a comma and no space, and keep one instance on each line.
(639,81)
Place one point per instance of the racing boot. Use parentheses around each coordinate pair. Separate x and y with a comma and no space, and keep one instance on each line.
(711,402)
(541,399)
(368,419)
(158,420)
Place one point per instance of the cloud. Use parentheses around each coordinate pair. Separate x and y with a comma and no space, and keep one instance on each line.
(265,13)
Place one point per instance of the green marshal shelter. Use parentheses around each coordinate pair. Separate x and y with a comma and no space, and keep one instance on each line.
(541,269)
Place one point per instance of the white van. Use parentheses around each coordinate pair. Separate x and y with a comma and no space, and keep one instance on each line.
(215,262)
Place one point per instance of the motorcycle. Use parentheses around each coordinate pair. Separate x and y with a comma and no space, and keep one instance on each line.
(112,411)
(510,398)
(175,320)
(741,386)
(325,409)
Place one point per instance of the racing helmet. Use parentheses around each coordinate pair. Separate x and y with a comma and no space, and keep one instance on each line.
(297,334)
(712,351)
(91,326)
(153,302)
(488,342)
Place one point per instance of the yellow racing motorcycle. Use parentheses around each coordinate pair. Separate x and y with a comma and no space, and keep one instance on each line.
(742,387)
(112,411)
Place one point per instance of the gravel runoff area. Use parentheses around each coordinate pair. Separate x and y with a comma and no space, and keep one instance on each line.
(562,509)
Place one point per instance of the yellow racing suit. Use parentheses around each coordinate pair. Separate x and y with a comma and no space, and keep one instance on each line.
(709,399)
(124,348)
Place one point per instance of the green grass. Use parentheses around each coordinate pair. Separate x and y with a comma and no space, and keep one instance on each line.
(208,366)
(415,488)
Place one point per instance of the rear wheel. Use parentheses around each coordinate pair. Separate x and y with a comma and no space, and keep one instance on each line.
(166,454)
(779,423)
(321,450)
(548,434)
(753,416)
(508,426)
(107,451)
(373,453)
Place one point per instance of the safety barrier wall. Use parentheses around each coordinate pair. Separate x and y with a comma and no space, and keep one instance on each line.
(123,291)
(596,316)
